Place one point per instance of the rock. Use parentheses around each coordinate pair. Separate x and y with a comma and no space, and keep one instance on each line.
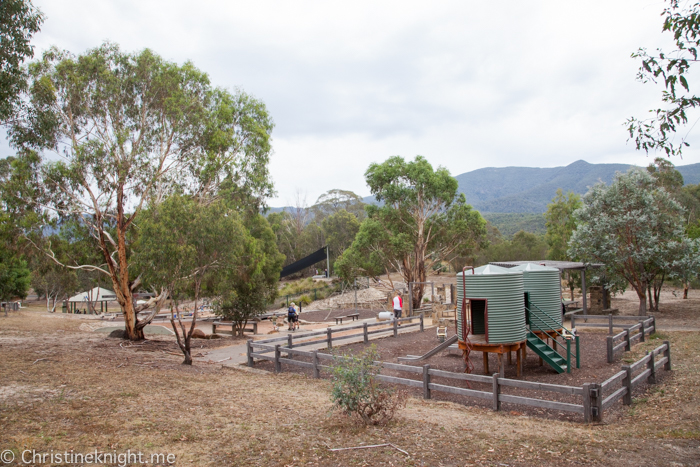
(118,334)
(199,334)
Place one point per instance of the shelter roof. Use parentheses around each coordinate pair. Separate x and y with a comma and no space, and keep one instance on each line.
(561,265)
(97,294)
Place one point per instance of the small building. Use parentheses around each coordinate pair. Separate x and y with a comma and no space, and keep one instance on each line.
(86,302)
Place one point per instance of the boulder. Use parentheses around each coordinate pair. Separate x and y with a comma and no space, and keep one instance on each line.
(199,334)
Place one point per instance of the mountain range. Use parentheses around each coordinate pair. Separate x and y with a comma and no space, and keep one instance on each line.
(531,189)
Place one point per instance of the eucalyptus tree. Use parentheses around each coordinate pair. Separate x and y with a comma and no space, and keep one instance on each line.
(673,70)
(632,226)
(126,131)
(247,287)
(19,21)
(423,219)
(561,223)
(181,244)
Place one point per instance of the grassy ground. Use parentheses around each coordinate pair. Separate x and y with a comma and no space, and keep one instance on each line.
(62,388)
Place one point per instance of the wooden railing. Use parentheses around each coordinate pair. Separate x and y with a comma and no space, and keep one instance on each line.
(626,338)
(593,403)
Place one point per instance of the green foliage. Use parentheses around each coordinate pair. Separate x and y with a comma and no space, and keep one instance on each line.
(304,300)
(296,287)
(423,220)
(357,393)
(633,227)
(340,229)
(672,69)
(15,277)
(248,286)
(510,223)
(133,129)
(335,201)
(561,223)
(524,246)
(19,21)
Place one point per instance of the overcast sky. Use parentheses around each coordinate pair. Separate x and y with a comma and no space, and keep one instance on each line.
(466,84)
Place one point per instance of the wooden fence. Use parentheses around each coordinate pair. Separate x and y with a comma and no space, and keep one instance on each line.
(625,339)
(592,405)
(610,321)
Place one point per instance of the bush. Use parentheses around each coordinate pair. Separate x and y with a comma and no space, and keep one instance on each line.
(356,391)
(305,300)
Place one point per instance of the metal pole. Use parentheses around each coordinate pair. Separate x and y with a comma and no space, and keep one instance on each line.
(583,289)
(356,295)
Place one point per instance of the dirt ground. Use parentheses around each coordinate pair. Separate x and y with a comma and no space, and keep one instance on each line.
(62,388)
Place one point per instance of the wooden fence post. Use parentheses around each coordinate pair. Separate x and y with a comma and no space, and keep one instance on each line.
(610,349)
(496,393)
(329,338)
(597,402)
(364,330)
(396,327)
(627,382)
(289,341)
(667,354)
(426,381)
(587,412)
(278,365)
(249,351)
(421,321)
(317,373)
(650,364)
(610,324)
(628,344)
(641,331)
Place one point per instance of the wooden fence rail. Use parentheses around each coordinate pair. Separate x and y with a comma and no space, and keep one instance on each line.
(611,321)
(593,403)
(626,338)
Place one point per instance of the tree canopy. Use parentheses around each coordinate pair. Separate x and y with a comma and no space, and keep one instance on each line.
(131,129)
(19,21)
(632,226)
(561,223)
(423,219)
(672,70)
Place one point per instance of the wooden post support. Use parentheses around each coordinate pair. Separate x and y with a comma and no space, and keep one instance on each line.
(501,366)
(510,358)
(496,393)
(486,363)
(627,382)
(289,341)
(329,338)
(610,349)
(597,402)
(587,412)
(641,332)
(396,327)
(652,368)
(578,352)
(653,322)
(426,381)
(278,365)
(249,351)
(610,324)
(421,321)
(667,354)
(628,344)
(317,372)
(365,335)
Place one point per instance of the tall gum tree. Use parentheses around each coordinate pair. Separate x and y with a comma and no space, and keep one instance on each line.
(423,219)
(121,131)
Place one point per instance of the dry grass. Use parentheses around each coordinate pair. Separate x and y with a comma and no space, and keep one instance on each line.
(64,389)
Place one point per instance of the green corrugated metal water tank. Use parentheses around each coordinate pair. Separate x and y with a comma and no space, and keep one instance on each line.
(543,286)
(502,289)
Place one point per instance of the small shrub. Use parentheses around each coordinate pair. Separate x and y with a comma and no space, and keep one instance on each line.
(357,393)
(305,300)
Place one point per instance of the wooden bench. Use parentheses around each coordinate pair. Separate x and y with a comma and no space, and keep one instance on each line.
(216,324)
(354,316)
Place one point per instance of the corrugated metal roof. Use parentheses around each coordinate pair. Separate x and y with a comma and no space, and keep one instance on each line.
(561,265)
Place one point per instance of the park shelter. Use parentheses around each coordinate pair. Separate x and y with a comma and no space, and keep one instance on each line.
(94,295)
(562,266)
